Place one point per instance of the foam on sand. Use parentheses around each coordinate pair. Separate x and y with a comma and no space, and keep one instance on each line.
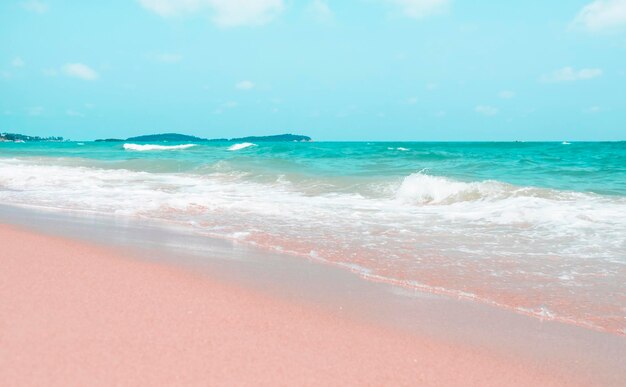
(152,147)
(500,241)
(240,146)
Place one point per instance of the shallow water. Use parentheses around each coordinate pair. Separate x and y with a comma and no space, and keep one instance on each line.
(539,228)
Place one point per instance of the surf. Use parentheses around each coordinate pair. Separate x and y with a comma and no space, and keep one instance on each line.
(154,147)
(240,146)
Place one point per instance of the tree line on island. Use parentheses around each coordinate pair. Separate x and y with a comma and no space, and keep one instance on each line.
(15,137)
(175,137)
(164,137)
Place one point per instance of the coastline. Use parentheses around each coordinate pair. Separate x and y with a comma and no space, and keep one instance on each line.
(105,313)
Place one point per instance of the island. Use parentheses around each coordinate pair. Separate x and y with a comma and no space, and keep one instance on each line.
(176,137)
(164,137)
(15,137)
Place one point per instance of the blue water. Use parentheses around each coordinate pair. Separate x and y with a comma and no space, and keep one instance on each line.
(598,167)
(539,228)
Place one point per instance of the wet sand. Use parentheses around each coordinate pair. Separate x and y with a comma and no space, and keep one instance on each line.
(77,313)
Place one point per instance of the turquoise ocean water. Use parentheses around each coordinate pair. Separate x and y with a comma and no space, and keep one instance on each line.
(539,228)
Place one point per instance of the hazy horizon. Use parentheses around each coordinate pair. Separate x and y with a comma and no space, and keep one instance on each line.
(391,140)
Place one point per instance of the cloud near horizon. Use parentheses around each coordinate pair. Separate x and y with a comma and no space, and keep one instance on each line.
(602,15)
(486,110)
(35,6)
(81,71)
(569,74)
(224,13)
(320,11)
(506,94)
(244,85)
(419,9)
(17,62)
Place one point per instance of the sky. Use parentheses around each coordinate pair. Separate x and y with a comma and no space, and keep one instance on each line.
(423,70)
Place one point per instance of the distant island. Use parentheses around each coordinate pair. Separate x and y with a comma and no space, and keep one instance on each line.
(175,137)
(15,137)
(164,137)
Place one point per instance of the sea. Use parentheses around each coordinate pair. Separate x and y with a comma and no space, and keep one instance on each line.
(534,227)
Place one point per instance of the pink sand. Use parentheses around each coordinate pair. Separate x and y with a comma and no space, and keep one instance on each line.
(72,313)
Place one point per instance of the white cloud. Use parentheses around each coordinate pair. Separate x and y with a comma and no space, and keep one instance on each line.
(168,8)
(411,101)
(79,70)
(506,94)
(224,13)
(35,6)
(486,110)
(17,62)
(602,15)
(419,9)
(569,74)
(244,85)
(169,58)
(320,11)
(74,113)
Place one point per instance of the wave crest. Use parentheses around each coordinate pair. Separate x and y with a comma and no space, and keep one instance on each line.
(242,145)
(151,147)
(419,188)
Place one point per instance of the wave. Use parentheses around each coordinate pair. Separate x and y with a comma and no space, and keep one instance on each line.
(494,240)
(152,147)
(240,146)
(419,188)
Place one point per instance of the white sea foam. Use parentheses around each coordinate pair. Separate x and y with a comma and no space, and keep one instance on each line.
(153,147)
(488,231)
(420,188)
(240,146)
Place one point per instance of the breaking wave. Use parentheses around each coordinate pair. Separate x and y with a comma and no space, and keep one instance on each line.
(497,241)
(419,188)
(152,147)
(240,146)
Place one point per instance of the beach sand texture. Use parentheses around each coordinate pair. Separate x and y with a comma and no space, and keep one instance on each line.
(73,313)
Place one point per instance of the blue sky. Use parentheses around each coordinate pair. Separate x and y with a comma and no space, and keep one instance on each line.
(335,70)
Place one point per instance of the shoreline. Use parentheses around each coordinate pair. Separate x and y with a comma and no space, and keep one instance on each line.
(496,241)
(447,353)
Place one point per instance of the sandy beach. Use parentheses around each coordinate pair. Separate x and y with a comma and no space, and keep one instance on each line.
(77,313)
(312,193)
